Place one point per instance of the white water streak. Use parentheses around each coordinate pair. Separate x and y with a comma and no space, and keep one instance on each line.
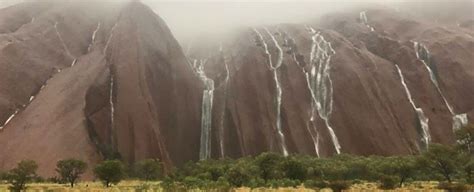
(206,110)
(423,120)
(363,18)
(320,83)
(93,37)
(9,119)
(111,102)
(313,132)
(423,54)
(222,119)
(279,91)
(111,34)
(62,41)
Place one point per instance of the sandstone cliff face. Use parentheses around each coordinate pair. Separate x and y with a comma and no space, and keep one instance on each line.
(78,81)
(368,82)
(85,81)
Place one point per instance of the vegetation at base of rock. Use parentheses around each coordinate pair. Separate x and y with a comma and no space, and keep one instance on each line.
(148,169)
(110,172)
(453,166)
(19,176)
(70,170)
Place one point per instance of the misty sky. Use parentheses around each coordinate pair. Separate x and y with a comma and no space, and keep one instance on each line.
(190,18)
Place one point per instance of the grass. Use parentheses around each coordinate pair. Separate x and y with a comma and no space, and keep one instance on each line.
(140,186)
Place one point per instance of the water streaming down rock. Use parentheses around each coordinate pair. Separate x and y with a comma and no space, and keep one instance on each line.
(9,119)
(364,20)
(93,37)
(423,54)
(279,92)
(223,110)
(62,41)
(112,108)
(274,69)
(422,119)
(320,83)
(110,37)
(310,125)
(206,110)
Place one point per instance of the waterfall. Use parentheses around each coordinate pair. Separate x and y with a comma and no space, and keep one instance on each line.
(279,92)
(110,37)
(363,18)
(223,112)
(9,119)
(62,41)
(320,83)
(112,107)
(423,120)
(310,127)
(206,110)
(423,54)
(93,37)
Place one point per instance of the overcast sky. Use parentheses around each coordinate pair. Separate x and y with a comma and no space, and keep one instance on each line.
(190,18)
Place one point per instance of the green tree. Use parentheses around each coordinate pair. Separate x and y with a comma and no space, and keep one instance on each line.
(465,137)
(400,167)
(268,164)
(294,170)
(110,172)
(237,176)
(70,170)
(24,172)
(148,169)
(441,159)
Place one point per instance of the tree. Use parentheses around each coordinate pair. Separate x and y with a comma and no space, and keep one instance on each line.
(148,169)
(24,172)
(401,167)
(70,170)
(465,137)
(441,159)
(268,164)
(110,172)
(237,176)
(294,170)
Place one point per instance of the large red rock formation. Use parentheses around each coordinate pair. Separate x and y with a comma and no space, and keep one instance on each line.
(91,82)
(84,81)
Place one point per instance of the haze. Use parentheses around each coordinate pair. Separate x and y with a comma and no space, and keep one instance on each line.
(189,19)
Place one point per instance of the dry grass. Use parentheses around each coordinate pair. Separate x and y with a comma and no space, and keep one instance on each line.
(138,186)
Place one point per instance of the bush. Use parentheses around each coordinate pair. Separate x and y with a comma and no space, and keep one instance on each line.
(237,177)
(316,184)
(148,169)
(388,182)
(452,187)
(110,172)
(338,186)
(294,170)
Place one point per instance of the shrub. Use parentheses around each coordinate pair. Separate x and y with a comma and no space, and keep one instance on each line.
(268,164)
(110,172)
(148,169)
(237,177)
(452,187)
(388,182)
(316,184)
(294,170)
(340,185)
